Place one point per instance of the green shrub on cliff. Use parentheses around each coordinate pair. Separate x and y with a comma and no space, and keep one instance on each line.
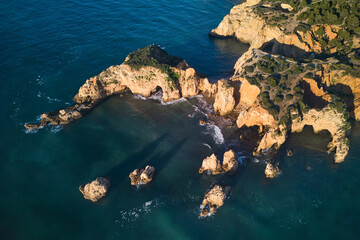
(272,65)
(153,56)
(289,96)
(273,111)
(279,98)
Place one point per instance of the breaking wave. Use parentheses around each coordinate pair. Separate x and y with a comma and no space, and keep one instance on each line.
(216,133)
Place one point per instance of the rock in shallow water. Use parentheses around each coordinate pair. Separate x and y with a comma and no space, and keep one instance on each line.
(214,199)
(271,171)
(212,164)
(142,176)
(96,189)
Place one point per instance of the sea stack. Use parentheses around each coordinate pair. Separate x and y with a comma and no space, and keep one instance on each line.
(213,165)
(142,176)
(271,171)
(96,189)
(214,199)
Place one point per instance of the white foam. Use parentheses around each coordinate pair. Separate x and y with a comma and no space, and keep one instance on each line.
(53,99)
(39,81)
(180,100)
(192,115)
(136,96)
(132,215)
(156,96)
(27,131)
(56,129)
(207,145)
(216,133)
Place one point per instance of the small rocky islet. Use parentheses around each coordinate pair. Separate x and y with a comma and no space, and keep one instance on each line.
(299,70)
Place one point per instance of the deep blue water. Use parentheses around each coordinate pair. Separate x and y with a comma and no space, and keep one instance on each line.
(49,48)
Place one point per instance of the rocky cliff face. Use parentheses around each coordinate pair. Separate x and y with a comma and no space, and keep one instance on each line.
(339,81)
(329,119)
(224,98)
(144,72)
(213,165)
(278,101)
(245,24)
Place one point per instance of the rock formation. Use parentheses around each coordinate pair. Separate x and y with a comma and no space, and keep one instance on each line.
(331,120)
(96,189)
(212,164)
(142,176)
(271,171)
(224,98)
(230,163)
(214,199)
(143,72)
(248,23)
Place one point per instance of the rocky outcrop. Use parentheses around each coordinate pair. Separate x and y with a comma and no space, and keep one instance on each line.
(271,171)
(248,94)
(245,24)
(143,72)
(230,162)
(142,176)
(256,115)
(212,164)
(274,137)
(339,81)
(329,119)
(96,189)
(224,98)
(214,199)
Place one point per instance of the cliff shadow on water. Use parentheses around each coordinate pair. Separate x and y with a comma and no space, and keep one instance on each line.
(140,159)
(137,160)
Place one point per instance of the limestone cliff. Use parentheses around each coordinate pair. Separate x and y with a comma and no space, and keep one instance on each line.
(245,24)
(224,98)
(332,120)
(280,96)
(144,72)
(213,165)
(339,81)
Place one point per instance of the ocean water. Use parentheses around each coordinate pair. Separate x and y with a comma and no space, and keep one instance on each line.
(49,48)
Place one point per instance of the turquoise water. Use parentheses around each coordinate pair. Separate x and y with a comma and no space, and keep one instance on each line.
(48,49)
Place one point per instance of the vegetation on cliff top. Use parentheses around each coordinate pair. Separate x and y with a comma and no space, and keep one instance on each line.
(333,24)
(281,83)
(155,56)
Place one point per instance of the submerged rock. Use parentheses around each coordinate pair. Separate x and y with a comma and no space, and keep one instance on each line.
(96,189)
(142,176)
(214,199)
(271,171)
